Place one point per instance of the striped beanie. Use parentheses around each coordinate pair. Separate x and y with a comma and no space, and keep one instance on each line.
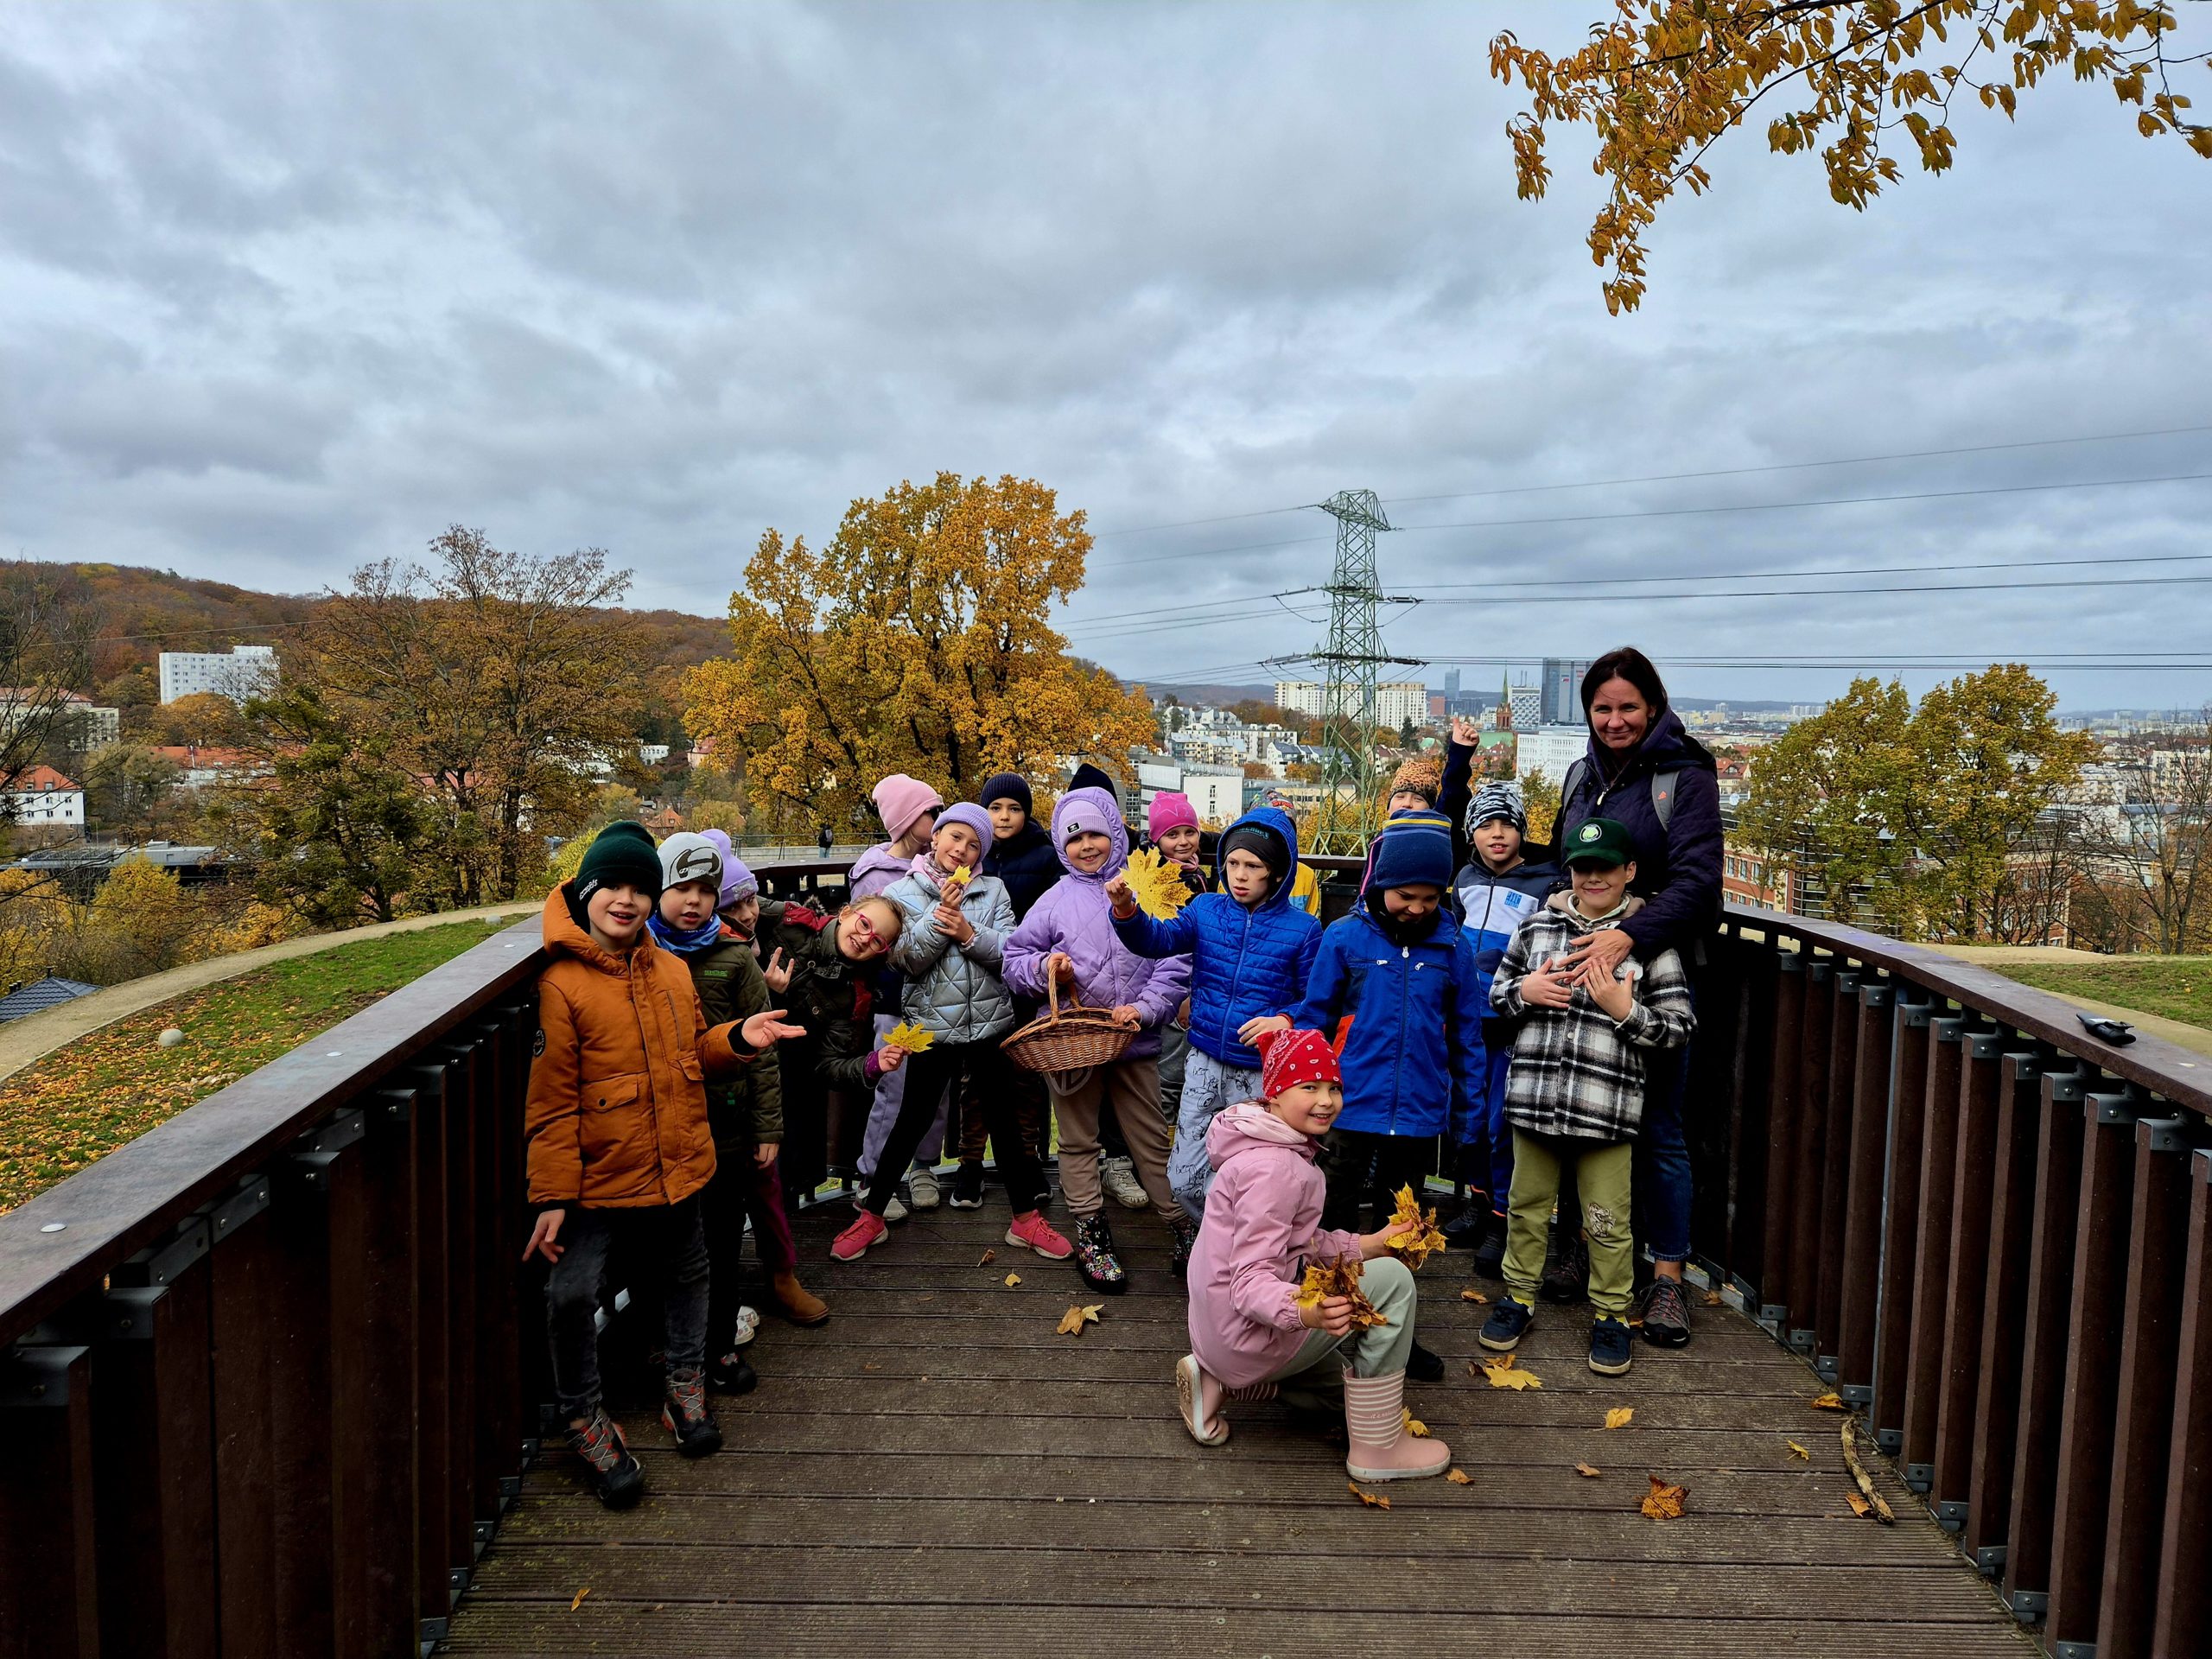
(1499,797)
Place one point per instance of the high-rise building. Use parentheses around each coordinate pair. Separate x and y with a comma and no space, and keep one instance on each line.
(1397,702)
(238,673)
(1451,686)
(1560,703)
(1527,702)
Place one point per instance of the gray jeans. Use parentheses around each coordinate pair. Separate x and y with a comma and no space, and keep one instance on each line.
(664,1246)
(1318,1367)
(1208,1085)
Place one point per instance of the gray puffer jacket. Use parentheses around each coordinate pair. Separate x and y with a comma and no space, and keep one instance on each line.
(954,991)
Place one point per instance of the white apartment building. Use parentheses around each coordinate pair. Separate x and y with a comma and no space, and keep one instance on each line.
(43,799)
(86,724)
(1397,702)
(1550,750)
(1527,702)
(238,673)
(1217,792)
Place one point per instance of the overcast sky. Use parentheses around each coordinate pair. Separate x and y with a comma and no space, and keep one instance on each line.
(288,287)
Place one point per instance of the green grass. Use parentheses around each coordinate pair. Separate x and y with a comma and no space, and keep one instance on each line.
(2175,987)
(112,1085)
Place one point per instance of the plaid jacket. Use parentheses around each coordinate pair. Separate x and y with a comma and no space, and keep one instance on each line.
(1574,1070)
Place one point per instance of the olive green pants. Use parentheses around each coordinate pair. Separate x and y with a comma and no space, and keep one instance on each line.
(1602,1173)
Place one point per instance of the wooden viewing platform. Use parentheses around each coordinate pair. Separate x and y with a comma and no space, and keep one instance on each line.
(936,1469)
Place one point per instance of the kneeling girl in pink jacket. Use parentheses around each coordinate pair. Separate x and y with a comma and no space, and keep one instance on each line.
(1250,1337)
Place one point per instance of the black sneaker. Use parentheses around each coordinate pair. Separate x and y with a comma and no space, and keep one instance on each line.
(1567,1280)
(732,1374)
(1667,1314)
(1423,1366)
(1186,1238)
(1609,1345)
(1507,1323)
(1466,1230)
(683,1414)
(967,1187)
(1490,1255)
(1094,1254)
(615,1477)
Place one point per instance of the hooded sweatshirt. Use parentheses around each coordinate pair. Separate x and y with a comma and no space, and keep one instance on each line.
(1244,963)
(1074,916)
(1677,868)
(1262,1230)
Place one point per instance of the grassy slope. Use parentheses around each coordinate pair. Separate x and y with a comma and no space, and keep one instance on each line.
(2178,987)
(113,1084)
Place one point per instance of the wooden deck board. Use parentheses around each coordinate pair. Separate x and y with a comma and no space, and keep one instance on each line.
(935,1466)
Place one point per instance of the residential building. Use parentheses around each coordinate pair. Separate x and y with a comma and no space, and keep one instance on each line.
(78,722)
(1217,792)
(40,994)
(43,799)
(1551,750)
(1527,704)
(1560,696)
(1397,702)
(204,766)
(238,673)
(1451,686)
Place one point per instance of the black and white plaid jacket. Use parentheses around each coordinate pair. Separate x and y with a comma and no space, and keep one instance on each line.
(1575,1070)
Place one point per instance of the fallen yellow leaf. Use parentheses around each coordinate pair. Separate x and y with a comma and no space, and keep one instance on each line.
(1470,1295)
(870,1365)
(1415,1426)
(1012,1279)
(1620,1416)
(1502,1373)
(1586,1471)
(1460,1478)
(1828,1402)
(1075,1319)
(579,1600)
(1860,1506)
(1713,1299)
(1373,1500)
(1663,1502)
(1799,1450)
(987,1257)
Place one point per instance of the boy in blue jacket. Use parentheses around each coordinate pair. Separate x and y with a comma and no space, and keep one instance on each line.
(1396,982)
(1503,882)
(1252,950)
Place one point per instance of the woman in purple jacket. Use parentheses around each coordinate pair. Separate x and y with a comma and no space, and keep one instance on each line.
(1068,936)
(1646,773)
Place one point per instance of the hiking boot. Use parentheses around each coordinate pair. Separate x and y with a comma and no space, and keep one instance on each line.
(1094,1254)
(1609,1345)
(1185,1233)
(1374,1421)
(1507,1323)
(683,1414)
(732,1374)
(967,1187)
(1032,1232)
(1423,1366)
(1119,1177)
(1666,1314)
(1468,1230)
(1567,1280)
(858,1239)
(922,1187)
(615,1477)
(795,1302)
(1489,1256)
(894,1210)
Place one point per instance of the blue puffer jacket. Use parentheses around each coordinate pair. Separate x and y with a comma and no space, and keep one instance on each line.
(1411,1046)
(1677,868)
(1244,963)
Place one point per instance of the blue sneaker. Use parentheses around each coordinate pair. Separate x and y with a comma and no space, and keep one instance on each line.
(1507,1323)
(1610,1353)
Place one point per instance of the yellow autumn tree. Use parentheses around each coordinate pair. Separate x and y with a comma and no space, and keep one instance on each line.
(1662,80)
(918,640)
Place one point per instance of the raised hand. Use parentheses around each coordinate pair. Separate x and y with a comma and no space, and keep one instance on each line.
(1121,895)
(1466,731)
(778,973)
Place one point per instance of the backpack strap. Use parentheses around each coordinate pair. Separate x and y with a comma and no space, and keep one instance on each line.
(1663,796)
(1575,772)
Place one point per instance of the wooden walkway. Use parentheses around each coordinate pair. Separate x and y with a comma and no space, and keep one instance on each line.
(935,1470)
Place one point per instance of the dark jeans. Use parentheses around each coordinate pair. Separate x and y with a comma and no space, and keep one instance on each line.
(982,1078)
(1486,1139)
(741,1188)
(1360,1167)
(666,1238)
(1662,1153)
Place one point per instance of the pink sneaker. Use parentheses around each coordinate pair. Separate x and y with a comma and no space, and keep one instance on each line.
(1030,1229)
(857,1240)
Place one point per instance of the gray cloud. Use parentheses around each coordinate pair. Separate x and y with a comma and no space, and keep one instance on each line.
(293,287)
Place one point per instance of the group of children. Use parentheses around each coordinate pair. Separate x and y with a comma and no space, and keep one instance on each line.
(1317,1067)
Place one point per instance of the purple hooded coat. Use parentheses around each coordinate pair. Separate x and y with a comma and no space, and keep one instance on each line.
(1074,916)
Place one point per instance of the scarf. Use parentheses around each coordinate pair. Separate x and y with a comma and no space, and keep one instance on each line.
(685,945)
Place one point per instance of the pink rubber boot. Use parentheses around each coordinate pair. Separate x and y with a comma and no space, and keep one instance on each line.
(1201,1397)
(1374,1418)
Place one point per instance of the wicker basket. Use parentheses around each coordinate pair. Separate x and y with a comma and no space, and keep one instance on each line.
(1068,1039)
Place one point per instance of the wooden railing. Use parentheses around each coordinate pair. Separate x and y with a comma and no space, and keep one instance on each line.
(271,1371)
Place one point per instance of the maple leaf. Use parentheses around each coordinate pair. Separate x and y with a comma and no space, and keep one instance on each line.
(1156,883)
(1459,1477)
(1075,1319)
(1663,1502)
(1799,1450)
(1413,1425)
(1620,1416)
(1470,1295)
(1586,1471)
(1339,1278)
(987,1258)
(1012,1279)
(1828,1402)
(579,1600)
(1416,1247)
(911,1038)
(1504,1374)
(1373,1500)
(1860,1506)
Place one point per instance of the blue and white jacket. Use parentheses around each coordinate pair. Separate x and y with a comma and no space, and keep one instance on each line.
(1493,908)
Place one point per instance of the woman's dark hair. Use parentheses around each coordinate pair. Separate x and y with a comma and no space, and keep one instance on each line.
(1625,663)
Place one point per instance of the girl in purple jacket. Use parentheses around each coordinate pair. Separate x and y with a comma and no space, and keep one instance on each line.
(1068,936)
(1249,1337)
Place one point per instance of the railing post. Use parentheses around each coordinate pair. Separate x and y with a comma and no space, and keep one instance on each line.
(1817,1031)
(1848,1016)
(435,1550)
(1782,1131)
(244,1310)
(465,1204)
(2184,1622)
(1939,1149)
(49,1582)
(1859,1288)
(386,1567)
(1901,1221)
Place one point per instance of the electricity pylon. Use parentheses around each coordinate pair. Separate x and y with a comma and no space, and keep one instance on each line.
(1349,664)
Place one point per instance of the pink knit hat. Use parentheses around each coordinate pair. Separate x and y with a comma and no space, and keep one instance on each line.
(1170,810)
(900,800)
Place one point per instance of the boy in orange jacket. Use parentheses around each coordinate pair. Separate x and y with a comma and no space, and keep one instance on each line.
(619,1141)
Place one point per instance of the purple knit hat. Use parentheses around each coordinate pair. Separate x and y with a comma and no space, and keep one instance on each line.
(738,883)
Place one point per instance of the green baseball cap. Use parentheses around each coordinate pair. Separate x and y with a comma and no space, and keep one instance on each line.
(1602,841)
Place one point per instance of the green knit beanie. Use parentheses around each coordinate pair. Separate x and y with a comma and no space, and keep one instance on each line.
(621,853)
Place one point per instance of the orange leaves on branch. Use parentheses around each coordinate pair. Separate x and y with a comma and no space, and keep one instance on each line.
(1502,1373)
(1075,1319)
(1663,1502)
(1327,1280)
(1373,1500)
(1425,1240)
(1157,884)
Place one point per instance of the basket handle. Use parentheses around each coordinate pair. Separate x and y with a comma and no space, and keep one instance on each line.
(1052,992)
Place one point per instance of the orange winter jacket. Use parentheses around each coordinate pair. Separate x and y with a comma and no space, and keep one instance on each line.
(617,1116)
